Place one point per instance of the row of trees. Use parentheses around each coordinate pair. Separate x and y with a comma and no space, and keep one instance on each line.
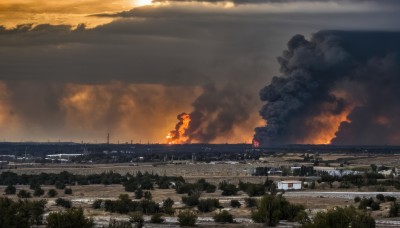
(60,180)
(37,192)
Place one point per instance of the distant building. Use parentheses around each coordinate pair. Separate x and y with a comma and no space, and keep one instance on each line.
(289,185)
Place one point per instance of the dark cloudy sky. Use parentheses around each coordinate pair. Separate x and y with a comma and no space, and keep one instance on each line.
(75,70)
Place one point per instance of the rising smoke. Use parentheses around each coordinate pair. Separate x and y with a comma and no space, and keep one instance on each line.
(216,112)
(338,87)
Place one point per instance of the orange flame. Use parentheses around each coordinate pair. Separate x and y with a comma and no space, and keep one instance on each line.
(179,135)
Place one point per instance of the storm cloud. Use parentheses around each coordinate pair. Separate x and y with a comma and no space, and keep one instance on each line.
(149,54)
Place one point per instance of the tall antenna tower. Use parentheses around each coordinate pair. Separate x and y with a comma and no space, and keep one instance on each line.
(108,138)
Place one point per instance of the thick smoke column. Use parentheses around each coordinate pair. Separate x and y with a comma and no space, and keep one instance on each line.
(216,112)
(334,75)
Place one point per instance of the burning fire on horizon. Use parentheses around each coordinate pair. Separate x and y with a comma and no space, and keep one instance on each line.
(329,92)
(179,135)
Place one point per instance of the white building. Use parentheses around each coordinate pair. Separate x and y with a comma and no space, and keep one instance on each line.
(289,185)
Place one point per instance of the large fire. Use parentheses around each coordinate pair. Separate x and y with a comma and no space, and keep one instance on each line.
(179,135)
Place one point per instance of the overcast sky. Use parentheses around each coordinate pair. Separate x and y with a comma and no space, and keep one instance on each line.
(75,70)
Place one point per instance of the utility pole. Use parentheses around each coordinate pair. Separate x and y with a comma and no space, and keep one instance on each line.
(108,138)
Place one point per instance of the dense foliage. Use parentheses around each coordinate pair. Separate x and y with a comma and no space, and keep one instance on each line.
(228,189)
(273,208)
(208,205)
(125,205)
(70,218)
(63,203)
(341,217)
(22,213)
(187,218)
(252,189)
(223,217)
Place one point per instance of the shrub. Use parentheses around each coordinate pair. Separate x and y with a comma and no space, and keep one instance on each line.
(34,186)
(235,204)
(187,218)
(147,195)
(70,218)
(375,206)
(364,203)
(357,199)
(157,218)
(24,194)
(138,193)
(223,217)
(97,204)
(68,191)
(119,224)
(380,197)
(191,200)
(341,217)
(211,188)
(59,185)
(38,192)
(252,189)
(390,199)
(228,189)
(63,203)
(250,202)
(131,185)
(273,208)
(52,193)
(137,217)
(10,190)
(394,209)
(208,205)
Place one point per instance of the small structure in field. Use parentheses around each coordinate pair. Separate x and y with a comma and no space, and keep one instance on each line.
(289,185)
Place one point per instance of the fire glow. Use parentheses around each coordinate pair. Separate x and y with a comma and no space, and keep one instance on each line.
(179,135)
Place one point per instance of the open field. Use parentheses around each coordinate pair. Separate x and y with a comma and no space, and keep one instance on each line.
(323,197)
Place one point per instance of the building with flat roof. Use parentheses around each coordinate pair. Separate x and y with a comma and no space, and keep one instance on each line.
(289,185)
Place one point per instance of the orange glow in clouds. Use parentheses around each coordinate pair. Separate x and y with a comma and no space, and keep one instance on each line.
(330,125)
(179,135)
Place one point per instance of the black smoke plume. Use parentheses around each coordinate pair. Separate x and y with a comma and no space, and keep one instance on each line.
(335,72)
(216,112)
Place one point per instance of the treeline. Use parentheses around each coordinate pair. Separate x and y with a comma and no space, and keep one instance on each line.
(360,180)
(131,182)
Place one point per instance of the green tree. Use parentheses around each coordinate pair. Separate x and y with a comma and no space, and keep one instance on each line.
(70,218)
(273,208)
(341,217)
(187,218)
(167,206)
